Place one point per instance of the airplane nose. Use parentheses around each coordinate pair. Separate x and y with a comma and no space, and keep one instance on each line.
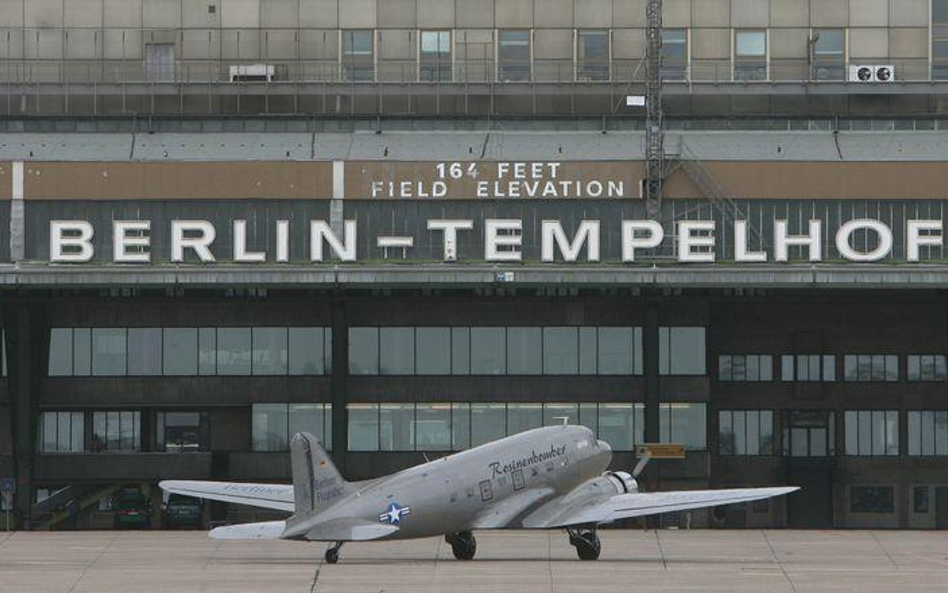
(604,447)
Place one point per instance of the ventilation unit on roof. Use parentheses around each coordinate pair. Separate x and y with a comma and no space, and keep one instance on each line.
(871,73)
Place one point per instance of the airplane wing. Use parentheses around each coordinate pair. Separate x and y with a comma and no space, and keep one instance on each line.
(597,510)
(265,530)
(499,515)
(268,496)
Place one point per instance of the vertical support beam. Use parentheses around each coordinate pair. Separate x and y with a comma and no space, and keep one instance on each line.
(22,331)
(654,124)
(338,379)
(650,348)
(17,215)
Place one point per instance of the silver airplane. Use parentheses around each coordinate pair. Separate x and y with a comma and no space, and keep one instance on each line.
(546,478)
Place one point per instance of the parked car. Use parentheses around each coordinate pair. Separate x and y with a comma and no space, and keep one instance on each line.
(131,509)
(182,511)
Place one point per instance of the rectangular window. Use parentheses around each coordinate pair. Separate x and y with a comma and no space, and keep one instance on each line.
(684,423)
(460,426)
(681,350)
(927,367)
(920,499)
(116,430)
(745,432)
(307,350)
(871,367)
(939,39)
(269,351)
(396,351)
(364,350)
(871,499)
(273,425)
(315,419)
(180,351)
(61,432)
(433,427)
(396,423)
(488,353)
(207,351)
(750,54)
(108,351)
(159,62)
(554,414)
(620,350)
(82,351)
(363,427)
(182,432)
(433,349)
(60,352)
(488,423)
(144,351)
(460,350)
(808,367)
(521,417)
(928,432)
(560,351)
(872,432)
(434,59)
(809,433)
(674,54)
(524,351)
(745,367)
(619,424)
(592,55)
(234,350)
(513,55)
(358,55)
(828,54)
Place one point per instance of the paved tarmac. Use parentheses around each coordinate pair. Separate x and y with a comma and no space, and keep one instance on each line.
(510,561)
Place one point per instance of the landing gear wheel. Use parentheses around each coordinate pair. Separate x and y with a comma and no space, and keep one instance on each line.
(463,544)
(332,554)
(586,543)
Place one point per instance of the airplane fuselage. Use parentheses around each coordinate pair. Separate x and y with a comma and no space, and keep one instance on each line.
(490,486)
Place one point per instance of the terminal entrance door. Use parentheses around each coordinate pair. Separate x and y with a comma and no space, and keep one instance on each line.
(941,507)
(811,507)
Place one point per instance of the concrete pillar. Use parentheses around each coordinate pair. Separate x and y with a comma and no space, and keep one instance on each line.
(24,340)
(338,378)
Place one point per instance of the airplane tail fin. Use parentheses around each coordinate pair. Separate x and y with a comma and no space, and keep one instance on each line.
(316,481)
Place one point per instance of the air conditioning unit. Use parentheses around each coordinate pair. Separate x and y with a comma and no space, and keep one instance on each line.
(252,73)
(871,73)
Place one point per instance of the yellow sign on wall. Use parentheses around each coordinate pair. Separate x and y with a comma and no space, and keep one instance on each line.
(661,450)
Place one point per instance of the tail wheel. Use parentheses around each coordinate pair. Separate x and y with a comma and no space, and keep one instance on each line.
(463,545)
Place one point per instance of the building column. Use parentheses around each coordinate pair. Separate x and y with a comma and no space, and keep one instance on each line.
(23,335)
(338,378)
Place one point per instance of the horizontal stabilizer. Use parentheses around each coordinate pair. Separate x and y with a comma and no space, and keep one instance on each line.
(265,530)
(349,529)
(267,496)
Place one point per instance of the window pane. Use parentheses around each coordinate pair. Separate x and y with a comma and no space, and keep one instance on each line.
(852,432)
(433,348)
(144,351)
(688,425)
(363,427)
(182,431)
(726,439)
(872,499)
(269,427)
(751,44)
(617,426)
(588,357)
(396,422)
(941,432)
(108,352)
(829,368)
(180,351)
(514,55)
(207,351)
(740,433)
(521,417)
(914,433)
(553,414)
(364,350)
(433,427)
(786,367)
(488,423)
(766,432)
(60,352)
(592,48)
(615,350)
(488,356)
(685,351)
(82,351)
(589,417)
(460,351)
(233,351)
(397,351)
(305,355)
(460,426)
(269,351)
(305,418)
(524,350)
(560,350)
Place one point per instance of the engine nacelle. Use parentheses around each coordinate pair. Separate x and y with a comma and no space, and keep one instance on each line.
(623,481)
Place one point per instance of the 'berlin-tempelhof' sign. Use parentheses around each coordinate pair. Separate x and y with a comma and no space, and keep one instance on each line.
(71,241)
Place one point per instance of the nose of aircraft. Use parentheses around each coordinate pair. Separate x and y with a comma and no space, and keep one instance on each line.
(604,447)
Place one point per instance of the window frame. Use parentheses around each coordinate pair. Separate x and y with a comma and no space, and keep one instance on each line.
(737,58)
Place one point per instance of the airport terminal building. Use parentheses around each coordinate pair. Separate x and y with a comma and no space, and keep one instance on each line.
(415,226)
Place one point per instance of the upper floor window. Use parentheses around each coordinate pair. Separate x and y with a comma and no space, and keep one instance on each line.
(514,55)
(592,54)
(681,351)
(61,432)
(746,432)
(871,367)
(872,432)
(927,367)
(745,367)
(674,54)
(116,430)
(939,39)
(159,62)
(684,423)
(358,55)
(750,54)
(273,425)
(434,59)
(182,432)
(828,59)
(808,367)
(809,433)
(928,432)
